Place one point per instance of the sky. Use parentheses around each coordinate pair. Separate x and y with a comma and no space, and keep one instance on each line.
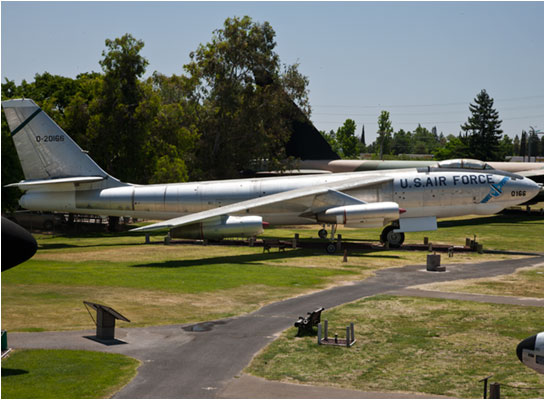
(424,62)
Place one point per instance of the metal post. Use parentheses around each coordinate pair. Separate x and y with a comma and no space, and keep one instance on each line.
(352,332)
(336,338)
(485,384)
(339,242)
(319,333)
(4,341)
(347,336)
(495,390)
(294,241)
(147,238)
(325,329)
(345,257)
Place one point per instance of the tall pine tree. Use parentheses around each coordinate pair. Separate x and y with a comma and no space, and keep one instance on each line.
(483,129)
(516,146)
(523,145)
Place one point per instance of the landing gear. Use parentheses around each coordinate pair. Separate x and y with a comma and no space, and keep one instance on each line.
(393,239)
(331,248)
(322,233)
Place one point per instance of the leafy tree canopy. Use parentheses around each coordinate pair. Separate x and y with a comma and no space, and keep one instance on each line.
(246,98)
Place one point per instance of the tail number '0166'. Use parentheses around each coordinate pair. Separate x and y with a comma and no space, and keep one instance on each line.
(51,138)
(518,193)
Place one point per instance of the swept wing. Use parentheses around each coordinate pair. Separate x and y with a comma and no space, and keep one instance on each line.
(322,197)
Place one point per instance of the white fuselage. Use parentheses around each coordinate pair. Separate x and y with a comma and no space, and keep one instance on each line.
(422,193)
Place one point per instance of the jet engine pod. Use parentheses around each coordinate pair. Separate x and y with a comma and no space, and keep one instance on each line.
(220,227)
(530,352)
(359,213)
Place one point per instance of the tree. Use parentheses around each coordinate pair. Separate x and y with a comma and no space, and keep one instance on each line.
(516,146)
(173,134)
(523,144)
(506,147)
(385,133)
(424,141)
(456,147)
(533,142)
(123,112)
(348,142)
(246,98)
(483,127)
(11,169)
(401,143)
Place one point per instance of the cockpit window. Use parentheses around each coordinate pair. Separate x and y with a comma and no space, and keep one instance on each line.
(463,163)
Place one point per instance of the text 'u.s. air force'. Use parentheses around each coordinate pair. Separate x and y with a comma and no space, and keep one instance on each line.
(437,181)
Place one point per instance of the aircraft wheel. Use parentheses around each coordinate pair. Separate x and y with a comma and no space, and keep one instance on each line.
(331,248)
(394,239)
(322,233)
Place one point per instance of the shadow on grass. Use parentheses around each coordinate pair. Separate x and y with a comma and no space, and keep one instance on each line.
(508,219)
(252,258)
(234,259)
(13,372)
(58,246)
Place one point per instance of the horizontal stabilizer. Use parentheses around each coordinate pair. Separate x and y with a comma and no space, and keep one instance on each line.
(24,185)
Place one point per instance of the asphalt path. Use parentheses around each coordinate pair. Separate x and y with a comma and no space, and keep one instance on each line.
(201,361)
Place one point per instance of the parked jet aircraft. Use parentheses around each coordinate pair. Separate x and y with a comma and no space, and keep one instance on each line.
(59,176)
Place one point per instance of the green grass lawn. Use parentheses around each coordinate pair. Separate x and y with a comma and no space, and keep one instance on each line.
(520,232)
(157,284)
(526,282)
(416,345)
(65,374)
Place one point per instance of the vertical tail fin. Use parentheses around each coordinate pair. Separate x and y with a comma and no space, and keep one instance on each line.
(44,149)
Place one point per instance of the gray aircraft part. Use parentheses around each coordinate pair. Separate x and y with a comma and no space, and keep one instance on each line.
(530,352)
(46,152)
(527,169)
(64,178)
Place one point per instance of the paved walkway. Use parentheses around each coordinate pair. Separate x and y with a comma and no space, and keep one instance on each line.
(200,361)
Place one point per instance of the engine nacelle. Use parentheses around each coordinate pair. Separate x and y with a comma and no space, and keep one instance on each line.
(221,227)
(360,213)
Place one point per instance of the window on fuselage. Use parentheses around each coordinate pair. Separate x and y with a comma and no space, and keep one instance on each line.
(464,163)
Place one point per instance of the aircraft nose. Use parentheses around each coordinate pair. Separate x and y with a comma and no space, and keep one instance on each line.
(531,188)
(522,189)
(526,344)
